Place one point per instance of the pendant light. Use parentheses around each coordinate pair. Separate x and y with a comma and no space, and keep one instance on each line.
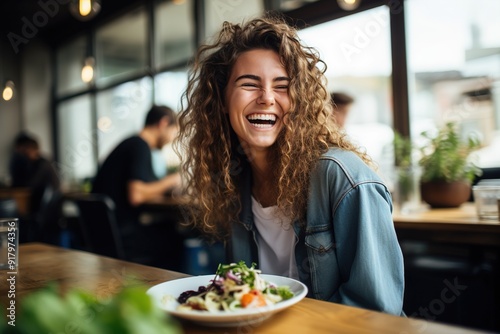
(8,87)
(348,4)
(88,70)
(85,10)
(8,90)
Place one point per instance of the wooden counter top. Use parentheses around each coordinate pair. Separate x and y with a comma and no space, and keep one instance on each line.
(460,224)
(40,264)
(22,197)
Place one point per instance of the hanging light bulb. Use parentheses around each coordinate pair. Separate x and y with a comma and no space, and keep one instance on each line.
(88,70)
(84,7)
(348,4)
(8,91)
(85,10)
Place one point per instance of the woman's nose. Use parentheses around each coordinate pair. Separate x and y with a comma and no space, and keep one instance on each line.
(266,97)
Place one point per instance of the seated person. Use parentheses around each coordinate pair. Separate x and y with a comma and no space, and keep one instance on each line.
(128,178)
(30,169)
(342,104)
(19,161)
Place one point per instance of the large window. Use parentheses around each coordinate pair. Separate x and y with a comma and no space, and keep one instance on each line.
(122,47)
(91,125)
(357,52)
(69,59)
(454,69)
(174,32)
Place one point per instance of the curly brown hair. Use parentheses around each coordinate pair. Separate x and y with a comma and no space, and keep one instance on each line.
(212,154)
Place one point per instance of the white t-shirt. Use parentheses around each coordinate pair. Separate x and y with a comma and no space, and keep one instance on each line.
(276,240)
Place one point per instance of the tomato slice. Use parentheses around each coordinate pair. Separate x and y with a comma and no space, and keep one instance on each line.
(253,299)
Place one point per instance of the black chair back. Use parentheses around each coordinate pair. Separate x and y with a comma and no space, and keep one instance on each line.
(49,215)
(99,226)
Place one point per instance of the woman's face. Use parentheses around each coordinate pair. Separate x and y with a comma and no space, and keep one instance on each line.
(257,98)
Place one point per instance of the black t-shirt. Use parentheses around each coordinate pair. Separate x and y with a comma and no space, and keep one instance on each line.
(157,244)
(130,160)
(19,169)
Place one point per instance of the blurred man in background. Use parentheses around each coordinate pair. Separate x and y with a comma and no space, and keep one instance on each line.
(342,104)
(128,178)
(31,170)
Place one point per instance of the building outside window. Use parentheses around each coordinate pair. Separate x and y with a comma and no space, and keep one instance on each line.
(454,70)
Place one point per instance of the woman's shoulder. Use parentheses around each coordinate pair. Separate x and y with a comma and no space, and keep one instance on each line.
(339,154)
(348,163)
(343,158)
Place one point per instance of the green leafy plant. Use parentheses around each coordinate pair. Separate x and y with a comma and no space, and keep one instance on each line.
(406,184)
(130,311)
(403,149)
(446,158)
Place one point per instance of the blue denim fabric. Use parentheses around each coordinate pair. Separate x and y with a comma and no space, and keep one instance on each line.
(348,251)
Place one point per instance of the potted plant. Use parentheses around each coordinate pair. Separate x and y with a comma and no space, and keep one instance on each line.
(447,170)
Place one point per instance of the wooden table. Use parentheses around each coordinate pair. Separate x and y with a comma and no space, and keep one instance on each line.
(22,197)
(458,225)
(40,264)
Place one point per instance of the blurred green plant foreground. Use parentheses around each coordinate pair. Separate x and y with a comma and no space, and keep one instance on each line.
(131,311)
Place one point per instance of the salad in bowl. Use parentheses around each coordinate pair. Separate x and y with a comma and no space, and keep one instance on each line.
(235,295)
(235,286)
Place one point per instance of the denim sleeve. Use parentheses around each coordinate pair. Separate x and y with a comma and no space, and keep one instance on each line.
(369,255)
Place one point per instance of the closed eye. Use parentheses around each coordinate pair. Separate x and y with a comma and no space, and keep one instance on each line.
(250,85)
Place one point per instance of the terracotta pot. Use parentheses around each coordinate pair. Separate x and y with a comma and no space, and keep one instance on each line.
(439,194)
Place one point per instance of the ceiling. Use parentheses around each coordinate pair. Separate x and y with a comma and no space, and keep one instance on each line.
(51,19)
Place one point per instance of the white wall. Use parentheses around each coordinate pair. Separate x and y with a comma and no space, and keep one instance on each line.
(10,111)
(36,81)
(29,110)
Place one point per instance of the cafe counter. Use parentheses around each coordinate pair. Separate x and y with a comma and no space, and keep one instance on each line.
(448,225)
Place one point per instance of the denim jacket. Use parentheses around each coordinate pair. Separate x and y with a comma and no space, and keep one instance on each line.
(348,251)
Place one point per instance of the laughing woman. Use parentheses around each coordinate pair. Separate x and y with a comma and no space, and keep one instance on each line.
(276,180)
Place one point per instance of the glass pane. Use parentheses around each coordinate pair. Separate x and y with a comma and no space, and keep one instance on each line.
(169,87)
(356,50)
(454,69)
(235,11)
(174,32)
(122,47)
(76,140)
(121,112)
(70,59)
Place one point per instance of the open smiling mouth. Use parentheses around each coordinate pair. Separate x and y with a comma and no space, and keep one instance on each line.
(262,121)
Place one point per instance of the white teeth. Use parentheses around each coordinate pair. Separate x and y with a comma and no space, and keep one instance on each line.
(262,126)
(263,117)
